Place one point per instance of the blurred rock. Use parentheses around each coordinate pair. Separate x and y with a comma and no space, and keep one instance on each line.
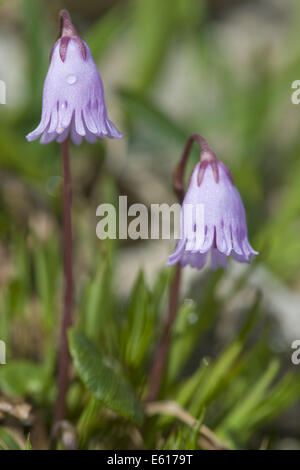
(20,411)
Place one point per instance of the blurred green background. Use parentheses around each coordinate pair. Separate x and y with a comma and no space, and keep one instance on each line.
(221,68)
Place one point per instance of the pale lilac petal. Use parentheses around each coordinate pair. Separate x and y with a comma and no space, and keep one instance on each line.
(248,250)
(208,240)
(63,136)
(76,138)
(240,258)
(96,118)
(175,257)
(79,126)
(194,260)
(221,240)
(91,138)
(89,121)
(236,245)
(66,116)
(47,137)
(218,260)
(224,220)
(228,239)
(54,119)
(113,131)
(191,241)
(40,129)
(73,90)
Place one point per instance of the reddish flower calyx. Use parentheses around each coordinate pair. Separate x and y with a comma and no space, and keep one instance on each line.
(67,32)
(208,157)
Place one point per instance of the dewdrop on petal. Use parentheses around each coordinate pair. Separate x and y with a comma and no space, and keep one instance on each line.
(225,226)
(73,96)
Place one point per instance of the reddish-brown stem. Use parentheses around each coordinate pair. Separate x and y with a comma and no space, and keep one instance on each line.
(178,176)
(64,356)
(207,156)
(161,353)
(66,26)
(67,32)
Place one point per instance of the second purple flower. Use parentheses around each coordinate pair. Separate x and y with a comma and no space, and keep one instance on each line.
(225,226)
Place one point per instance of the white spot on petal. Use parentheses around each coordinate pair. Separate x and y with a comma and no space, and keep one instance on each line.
(71,79)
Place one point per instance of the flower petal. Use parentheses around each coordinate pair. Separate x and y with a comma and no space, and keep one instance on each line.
(40,129)
(209,238)
(221,239)
(62,137)
(76,138)
(54,119)
(175,257)
(79,126)
(89,121)
(218,259)
(195,260)
(113,131)
(228,239)
(47,137)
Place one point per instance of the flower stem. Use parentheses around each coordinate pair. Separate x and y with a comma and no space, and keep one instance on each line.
(161,353)
(178,176)
(64,356)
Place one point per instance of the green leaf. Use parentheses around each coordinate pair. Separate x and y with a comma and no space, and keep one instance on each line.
(239,417)
(87,421)
(189,387)
(214,379)
(8,441)
(105,30)
(98,306)
(279,397)
(35,29)
(180,335)
(138,329)
(159,291)
(153,23)
(101,380)
(28,445)
(142,109)
(45,278)
(22,378)
(187,333)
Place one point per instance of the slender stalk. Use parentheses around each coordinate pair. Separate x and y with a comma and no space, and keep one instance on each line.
(178,176)
(161,354)
(64,356)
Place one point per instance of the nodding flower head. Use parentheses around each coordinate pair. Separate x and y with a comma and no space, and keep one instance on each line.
(73,97)
(222,223)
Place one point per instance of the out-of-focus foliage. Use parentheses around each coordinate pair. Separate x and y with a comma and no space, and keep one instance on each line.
(238,391)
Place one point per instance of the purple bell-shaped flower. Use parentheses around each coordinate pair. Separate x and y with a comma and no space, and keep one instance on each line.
(73,97)
(223,221)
